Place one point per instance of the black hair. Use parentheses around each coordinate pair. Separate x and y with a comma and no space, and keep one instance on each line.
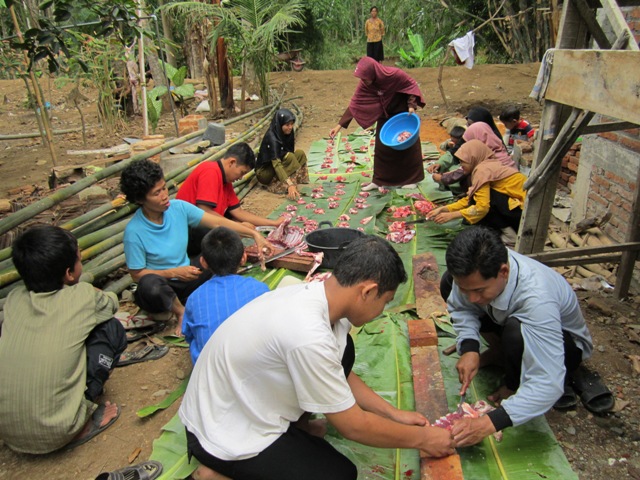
(42,254)
(138,178)
(371,9)
(481,114)
(476,249)
(457,132)
(243,153)
(222,249)
(370,258)
(510,113)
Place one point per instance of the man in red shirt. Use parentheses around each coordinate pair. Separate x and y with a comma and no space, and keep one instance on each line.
(210,186)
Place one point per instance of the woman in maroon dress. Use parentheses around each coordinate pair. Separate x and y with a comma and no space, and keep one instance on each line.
(382,93)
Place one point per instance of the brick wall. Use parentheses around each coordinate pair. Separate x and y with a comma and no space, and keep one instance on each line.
(570,164)
(608,176)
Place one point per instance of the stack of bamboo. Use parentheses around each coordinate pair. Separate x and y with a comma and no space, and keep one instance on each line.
(100,231)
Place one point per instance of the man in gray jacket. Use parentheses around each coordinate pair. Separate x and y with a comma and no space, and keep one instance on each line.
(531,317)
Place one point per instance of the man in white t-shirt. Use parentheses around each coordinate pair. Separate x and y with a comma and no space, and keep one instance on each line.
(287,353)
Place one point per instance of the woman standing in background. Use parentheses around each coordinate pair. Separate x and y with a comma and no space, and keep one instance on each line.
(374,29)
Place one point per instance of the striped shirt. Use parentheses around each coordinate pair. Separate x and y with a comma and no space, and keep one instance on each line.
(43,364)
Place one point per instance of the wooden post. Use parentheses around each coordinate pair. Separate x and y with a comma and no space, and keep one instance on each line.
(532,234)
(628,262)
(143,75)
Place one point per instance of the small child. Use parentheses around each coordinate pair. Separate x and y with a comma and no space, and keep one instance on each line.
(59,343)
(223,294)
(447,171)
(519,131)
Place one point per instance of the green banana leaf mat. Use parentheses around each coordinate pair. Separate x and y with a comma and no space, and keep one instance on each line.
(383,360)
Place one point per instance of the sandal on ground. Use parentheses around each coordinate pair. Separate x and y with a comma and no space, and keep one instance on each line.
(568,400)
(138,333)
(142,353)
(95,428)
(130,322)
(594,394)
(142,471)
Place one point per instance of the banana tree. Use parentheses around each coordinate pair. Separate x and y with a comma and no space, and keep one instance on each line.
(255,27)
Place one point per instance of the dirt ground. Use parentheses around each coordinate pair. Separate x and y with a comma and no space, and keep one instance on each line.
(597,447)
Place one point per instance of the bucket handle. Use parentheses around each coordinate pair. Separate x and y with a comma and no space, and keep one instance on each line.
(325,222)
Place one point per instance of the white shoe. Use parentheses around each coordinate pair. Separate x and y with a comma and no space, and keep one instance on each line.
(409,185)
(370,186)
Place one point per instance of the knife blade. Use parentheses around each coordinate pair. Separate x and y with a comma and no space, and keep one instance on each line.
(281,254)
(463,398)
(420,220)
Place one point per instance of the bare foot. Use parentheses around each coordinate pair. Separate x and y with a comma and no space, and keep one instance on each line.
(110,412)
(501,394)
(205,473)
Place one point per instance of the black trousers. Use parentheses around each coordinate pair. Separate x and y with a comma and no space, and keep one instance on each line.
(512,343)
(295,455)
(104,346)
(155,294)
(375,50)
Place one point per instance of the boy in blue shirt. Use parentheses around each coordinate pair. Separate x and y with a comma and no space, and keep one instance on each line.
(223,294)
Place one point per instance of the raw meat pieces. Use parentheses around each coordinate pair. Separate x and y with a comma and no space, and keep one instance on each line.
(476,410)
(403,136)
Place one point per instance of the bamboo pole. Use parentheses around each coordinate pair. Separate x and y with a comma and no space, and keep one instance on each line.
(36,90)
(142,69)
(107,240)
(40,206)
(117,286)
(103,270)
(19,136)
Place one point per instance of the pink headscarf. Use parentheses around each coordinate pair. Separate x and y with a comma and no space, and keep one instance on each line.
(483,132)
(485,168)
(370,102)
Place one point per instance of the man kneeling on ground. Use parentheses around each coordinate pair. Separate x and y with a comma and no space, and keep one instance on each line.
(532,321)
(289,352)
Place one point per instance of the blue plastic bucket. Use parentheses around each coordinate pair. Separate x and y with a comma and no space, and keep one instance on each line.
(396,126)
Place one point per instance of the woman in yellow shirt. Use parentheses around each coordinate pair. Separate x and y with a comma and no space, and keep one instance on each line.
(374,29)
(496,196)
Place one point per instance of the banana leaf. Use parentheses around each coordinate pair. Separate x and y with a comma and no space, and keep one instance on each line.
(175,341)
(166,402)
(170,449)
(529,451)
(383,361)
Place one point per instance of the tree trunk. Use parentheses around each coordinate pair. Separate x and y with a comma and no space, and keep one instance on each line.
(225,80)
(167,31)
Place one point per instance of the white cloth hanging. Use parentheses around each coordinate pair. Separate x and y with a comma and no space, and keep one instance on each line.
(463,47)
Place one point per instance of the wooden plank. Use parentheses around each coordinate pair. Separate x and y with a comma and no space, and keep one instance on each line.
(629,259)
(293,261)
(426,285)
(605,82)
(422,333)
(431,401)
(566,253)
(607,127)
(618,22)
(589,17)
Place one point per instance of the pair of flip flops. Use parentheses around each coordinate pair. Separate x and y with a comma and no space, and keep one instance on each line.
(142,352)
(142,332)
(94,428)
(594,394)
(142,471)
